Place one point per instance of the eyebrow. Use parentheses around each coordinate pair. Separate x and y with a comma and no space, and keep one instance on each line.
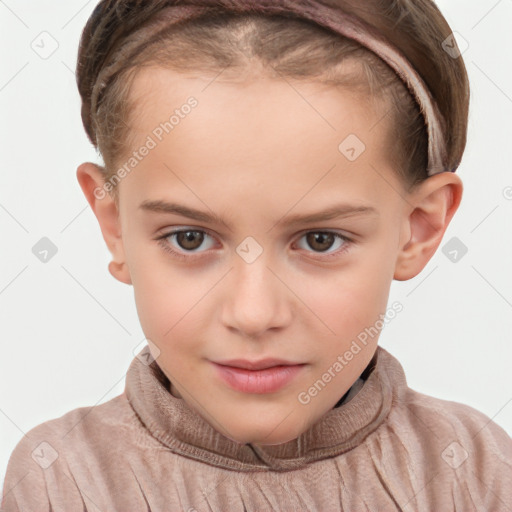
(334,212)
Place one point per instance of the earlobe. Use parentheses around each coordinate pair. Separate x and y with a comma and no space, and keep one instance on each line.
(120,272)
(91,179)
(432,207)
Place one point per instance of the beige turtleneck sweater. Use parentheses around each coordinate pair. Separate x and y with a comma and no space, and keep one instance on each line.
(383,447)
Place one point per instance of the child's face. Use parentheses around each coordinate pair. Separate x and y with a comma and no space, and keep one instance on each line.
(255,155)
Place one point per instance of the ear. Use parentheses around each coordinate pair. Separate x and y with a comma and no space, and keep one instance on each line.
(431,207)
(91,179)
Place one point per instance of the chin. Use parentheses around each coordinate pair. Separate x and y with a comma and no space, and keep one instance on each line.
(268,437)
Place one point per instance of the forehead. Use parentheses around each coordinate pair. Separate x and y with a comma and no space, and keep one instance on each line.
(256,130)
(252,100)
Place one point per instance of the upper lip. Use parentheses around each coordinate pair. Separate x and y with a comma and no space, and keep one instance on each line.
(256,365)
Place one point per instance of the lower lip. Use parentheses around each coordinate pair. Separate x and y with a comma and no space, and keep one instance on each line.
(257,381)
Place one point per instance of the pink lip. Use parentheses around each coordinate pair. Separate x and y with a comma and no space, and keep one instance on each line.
(268,362)
(268,380)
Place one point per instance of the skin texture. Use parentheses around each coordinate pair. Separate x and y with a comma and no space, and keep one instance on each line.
(254,152)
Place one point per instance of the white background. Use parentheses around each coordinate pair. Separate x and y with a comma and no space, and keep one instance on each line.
(68,329)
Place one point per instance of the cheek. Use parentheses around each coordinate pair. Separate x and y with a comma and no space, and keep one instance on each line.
(350,299)
(167,301)
(164,310)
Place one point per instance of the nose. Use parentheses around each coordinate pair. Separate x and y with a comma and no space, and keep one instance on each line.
(256,299)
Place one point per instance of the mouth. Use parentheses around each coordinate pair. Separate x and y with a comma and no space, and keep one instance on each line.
(267,379)
(263,364)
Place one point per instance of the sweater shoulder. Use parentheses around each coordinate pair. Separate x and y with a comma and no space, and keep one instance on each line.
(48,450)
(451,414)
(83,423)
(454,428)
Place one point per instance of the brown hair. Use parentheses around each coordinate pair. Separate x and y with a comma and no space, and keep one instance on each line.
(122,37)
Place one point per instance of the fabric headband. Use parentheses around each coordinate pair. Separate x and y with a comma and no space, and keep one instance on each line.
(342,23)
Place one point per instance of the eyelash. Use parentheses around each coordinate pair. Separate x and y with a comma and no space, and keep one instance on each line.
(162,240)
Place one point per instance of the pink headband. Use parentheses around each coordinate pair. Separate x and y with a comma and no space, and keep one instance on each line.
(342,23)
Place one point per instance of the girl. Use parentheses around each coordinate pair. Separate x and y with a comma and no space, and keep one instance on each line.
(310,149)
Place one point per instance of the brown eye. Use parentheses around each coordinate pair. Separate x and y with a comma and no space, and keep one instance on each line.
(186,243)
(320,241)
(189,240)
(325,244)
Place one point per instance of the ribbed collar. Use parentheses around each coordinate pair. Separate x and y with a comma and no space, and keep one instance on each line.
(185,432)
